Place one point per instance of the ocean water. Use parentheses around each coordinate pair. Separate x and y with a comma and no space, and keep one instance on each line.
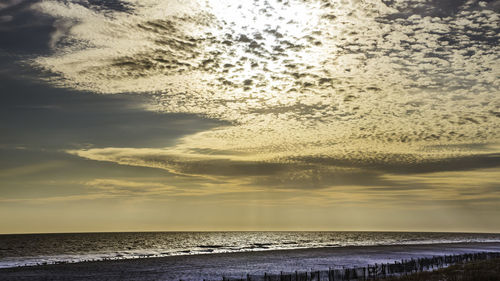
(32,249)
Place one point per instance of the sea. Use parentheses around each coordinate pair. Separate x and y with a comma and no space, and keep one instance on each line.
(35,249)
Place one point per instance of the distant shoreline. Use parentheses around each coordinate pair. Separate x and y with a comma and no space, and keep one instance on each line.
(214,266)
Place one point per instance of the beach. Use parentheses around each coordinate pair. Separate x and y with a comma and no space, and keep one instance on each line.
(224,140)
(215,266)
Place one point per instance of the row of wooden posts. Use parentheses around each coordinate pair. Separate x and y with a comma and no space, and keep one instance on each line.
(371,272)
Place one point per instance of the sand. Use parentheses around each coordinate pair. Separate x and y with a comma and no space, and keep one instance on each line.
(214,266)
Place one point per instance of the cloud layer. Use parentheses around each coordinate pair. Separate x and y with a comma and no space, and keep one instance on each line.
(342,83)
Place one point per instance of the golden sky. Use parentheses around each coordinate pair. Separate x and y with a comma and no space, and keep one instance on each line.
(250,115)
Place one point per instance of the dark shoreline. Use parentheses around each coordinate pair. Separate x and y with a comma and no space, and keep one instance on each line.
(214,266)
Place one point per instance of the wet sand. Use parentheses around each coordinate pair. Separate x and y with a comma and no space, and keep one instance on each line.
(214,266)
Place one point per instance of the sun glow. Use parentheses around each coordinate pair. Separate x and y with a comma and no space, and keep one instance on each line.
(269,39)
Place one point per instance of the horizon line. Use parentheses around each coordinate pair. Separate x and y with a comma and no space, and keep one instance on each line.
(214,231)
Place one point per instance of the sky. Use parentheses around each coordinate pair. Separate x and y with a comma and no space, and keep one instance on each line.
(213,115)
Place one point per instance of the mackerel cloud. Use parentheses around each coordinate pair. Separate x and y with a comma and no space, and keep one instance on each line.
(371,83)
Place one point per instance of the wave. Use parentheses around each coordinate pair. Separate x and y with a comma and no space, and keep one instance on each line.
(72,248)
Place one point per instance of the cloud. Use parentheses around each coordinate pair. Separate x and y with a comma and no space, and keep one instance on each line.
(135,189)
(6,18)
(472,180)
(55,199)
(9,3)
(232,169)
(30,169)
(372,83)
(129,187)
(474,187)
(38,116)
